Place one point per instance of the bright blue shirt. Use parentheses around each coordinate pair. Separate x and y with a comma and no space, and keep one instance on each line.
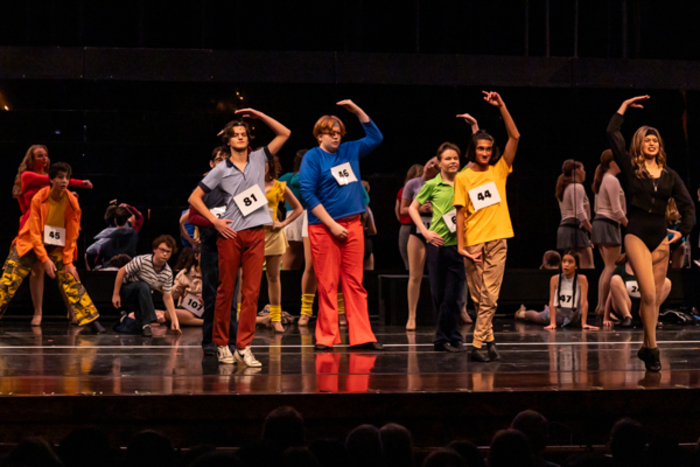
(318,186)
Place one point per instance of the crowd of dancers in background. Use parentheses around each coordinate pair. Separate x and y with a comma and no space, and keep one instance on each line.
(453,218)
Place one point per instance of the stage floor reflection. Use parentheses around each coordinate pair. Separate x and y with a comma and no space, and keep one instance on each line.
(57,359)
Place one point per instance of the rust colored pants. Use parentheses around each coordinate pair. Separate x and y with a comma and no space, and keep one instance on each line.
(247,251)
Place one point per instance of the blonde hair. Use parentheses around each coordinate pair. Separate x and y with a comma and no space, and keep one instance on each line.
(672,214)
(27,164)
(637,154)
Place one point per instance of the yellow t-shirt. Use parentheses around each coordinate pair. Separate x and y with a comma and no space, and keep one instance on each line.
(57,211)
(275,195)
(491,222)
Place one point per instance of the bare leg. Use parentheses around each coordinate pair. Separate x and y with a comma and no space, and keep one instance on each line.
(665,291)
(586,258)
(184,317)
(531,315)
(274,288)
(292,258)
(416,266)
(678,257)
(620,299)
(36,288)
(368,264)
(610,253)
(650,270)
(308,279)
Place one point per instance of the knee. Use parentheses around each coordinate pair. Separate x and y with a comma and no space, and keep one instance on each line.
(648,299)
(143,288)
(616,282)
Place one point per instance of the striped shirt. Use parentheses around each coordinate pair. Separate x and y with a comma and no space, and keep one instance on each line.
(141,269)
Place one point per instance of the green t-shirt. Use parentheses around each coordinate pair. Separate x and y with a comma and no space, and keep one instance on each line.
(441,196)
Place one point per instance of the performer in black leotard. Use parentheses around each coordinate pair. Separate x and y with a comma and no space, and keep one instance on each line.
(650,183)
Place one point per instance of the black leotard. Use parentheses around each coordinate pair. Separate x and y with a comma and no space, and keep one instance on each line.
(646,197)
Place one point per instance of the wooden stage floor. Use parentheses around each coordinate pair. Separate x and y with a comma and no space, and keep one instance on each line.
(583,380)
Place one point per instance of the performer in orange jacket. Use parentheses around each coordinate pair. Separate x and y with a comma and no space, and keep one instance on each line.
(49,235)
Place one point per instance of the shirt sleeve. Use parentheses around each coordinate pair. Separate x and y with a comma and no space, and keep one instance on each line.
(308,180)
(579,202)
(461,195)
(180,286)
(33,181)
(134,266)
(685,205)
(425,193)
(373,137)
(168,285)
(503,168)
(617,144)
(213,178)
(408,191)
(611,187)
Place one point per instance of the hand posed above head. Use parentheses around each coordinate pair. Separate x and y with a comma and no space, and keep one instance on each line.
(633,102)
(471,121)
(350,106)
(493,98)
(249,113)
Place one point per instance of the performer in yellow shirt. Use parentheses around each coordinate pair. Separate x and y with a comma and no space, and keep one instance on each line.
(483,224)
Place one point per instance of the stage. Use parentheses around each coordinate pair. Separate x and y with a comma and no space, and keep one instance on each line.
(54,378)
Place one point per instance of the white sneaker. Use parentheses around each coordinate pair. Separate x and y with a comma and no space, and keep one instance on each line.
(247,357)
(223,353)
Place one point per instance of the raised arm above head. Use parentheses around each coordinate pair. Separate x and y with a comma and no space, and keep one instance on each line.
(495,100)
(282,133)
(350,106)
(471,121)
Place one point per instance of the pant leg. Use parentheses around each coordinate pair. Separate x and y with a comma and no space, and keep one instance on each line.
(451,307)
(475,273)
(209,263)
(253,258)
(436,276)
(140,294)
(229,253)
(14,271)
(325,255)
(85,310)
(351,273)
(494,259)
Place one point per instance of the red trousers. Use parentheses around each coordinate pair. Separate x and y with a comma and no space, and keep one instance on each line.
(334,259)
(356,380)
(247,250)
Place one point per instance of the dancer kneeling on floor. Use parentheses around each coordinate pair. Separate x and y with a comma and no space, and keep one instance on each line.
(445,264)
(568,298)
(624,299)
(136,280)
(49,236)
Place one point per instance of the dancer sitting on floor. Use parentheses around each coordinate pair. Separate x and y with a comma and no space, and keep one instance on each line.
(623,301)
(49,236)
(136,280)
(445,264)
(568,298)
(650,183)
(330,175)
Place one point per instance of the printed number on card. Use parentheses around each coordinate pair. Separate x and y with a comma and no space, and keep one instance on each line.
(250,200)
(193,304)
(451,220)
(343,174)
(54,235)
(565,299)
(484,196)
(218,211)
(633,289)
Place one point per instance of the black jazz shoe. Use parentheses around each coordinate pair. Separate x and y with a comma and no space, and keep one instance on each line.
(493,352)
(480,355)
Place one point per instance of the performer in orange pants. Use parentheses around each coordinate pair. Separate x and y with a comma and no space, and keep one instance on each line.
(330,185)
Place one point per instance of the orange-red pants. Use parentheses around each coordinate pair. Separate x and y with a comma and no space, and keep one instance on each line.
(334,259)
(246,251)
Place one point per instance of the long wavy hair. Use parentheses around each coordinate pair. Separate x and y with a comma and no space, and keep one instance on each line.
(637,154)
(605,160)
(567,177)
(27,164)
(416,170)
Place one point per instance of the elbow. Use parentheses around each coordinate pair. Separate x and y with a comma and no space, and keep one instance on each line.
(515,136)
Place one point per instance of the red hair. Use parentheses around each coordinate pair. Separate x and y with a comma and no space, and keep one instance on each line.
(326,123)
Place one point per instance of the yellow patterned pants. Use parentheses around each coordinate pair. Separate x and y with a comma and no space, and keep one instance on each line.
(16,269)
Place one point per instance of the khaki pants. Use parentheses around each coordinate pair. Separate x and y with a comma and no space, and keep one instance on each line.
(17,268)
(485,279)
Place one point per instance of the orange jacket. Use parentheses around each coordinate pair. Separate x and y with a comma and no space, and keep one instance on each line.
(31,234)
